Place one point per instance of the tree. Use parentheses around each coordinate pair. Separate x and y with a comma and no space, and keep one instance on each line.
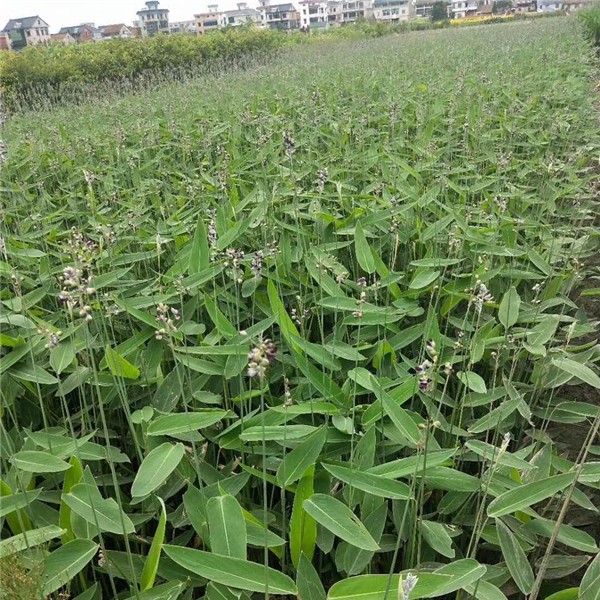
(439,11)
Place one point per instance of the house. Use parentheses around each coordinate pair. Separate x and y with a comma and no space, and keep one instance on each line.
(242,16)
(549,6)
(334,12)
(86,32)
(117,30)
(355,10)
(278,16)
(570,6)
(464,8)
(423,8)
(485,10)
(525,6)
(136,31)
(393,11)
(27,31)
(314,14)
(62,38)
(209,20)
(153,20)
(182,27)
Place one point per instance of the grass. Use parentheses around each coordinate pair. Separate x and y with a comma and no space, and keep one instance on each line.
(311,320)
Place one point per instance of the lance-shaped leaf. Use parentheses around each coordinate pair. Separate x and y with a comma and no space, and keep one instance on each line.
(227,526)
(378,485)
(151,565)
(233,572)
(303,528)
(155,468)
(340,520)
(515,558)
(295,464)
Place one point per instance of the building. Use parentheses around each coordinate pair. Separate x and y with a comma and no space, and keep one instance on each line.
(356,10)
(209,20)
(86,32)
(524,6)
(115,31)
(278,16)
(570,6)
(62,38)
(27,31)
(4,42)
(464,8)
(182,27)
(393,11)
(153,20)
(244,15)
(334,12)
(136,32)
(547,6)
(313,14)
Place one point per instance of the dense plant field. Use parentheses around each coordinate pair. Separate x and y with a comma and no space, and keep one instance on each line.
(41,77)
(312,328)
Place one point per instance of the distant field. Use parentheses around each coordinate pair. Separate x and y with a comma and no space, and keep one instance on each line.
(266,331)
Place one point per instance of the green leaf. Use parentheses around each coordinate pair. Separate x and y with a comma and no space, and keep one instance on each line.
(436,535)
(567,535)
(165,591)
(199,253)
(227,526)
(423,278)
(155,468)
(508,313)
(473,381)
(22,541)
(529,494)
(464,572)
(104,513)
(384,587)
(13,502)
(151,565)
(119,366)
(185,422)
(233,572)
(568,594)
(63,564)
(62,356)
(372,484)
(401,419)
(303,528)
(295,464)
(33,461)
(364,256)
(578,370)
(308,581)
(515,558)
(340,520)
(590,583)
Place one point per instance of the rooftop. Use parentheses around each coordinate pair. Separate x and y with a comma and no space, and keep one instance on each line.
(22,23)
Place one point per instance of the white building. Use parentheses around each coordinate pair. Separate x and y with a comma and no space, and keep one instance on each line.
(356,9)
(242,16)
(26,31)
(153,20)
(463,8)
(182,27)
(393,11)
(278,16)
(209,20)
(314,14)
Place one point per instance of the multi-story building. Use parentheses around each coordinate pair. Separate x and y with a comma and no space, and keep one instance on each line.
(117,30)
(313,14)
(278,16)
(393,11)
(242,16)
(334,12)
(209,20)
(27,31)
(182,27)
(152,20)
(356,9)
(464,8)
(86,32)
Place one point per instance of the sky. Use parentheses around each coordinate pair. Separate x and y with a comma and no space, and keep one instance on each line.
(63,13)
